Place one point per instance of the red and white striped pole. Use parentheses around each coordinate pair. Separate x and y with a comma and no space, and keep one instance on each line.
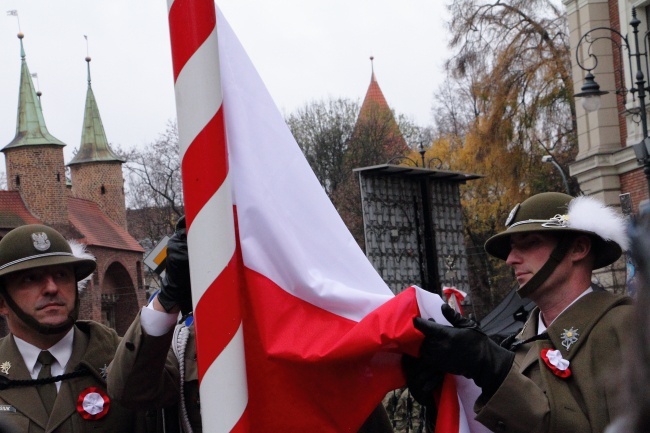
(209,215)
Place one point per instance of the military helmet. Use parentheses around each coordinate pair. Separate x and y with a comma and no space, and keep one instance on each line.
(35,245)
(554,212)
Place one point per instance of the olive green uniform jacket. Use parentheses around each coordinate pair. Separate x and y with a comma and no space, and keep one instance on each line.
(93,348)
(145,375)
(533,399)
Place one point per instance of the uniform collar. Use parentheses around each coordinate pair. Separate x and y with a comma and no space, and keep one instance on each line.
(540,323)
(61,352)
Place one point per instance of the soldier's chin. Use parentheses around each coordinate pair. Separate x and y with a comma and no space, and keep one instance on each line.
(53,328)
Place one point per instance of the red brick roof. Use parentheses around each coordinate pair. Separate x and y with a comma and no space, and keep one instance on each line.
(97,228)
(85,216)
(374,95)
(13,212)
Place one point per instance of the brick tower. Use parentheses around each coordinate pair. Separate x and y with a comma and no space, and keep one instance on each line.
(95,171)
(34,158)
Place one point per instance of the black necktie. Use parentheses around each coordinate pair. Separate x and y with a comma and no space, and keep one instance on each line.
(47,391)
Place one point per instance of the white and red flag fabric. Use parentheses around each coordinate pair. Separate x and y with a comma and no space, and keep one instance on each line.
(454,297)
(295,329)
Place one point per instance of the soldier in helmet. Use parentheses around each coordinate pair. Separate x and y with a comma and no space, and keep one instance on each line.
(52,366)
(553,375)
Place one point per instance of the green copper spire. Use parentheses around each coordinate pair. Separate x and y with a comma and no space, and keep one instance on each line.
(94,145)
(30,125)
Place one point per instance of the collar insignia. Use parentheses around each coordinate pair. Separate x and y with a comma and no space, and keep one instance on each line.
(569,336)
(4,367)
(104,371)
(41,242)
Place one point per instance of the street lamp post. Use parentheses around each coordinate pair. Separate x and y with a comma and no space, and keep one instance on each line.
(549,158)
(590,91)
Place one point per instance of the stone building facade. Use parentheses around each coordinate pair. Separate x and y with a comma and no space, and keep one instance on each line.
(606,165)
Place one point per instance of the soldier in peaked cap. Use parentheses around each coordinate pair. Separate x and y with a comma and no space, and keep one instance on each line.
(552,376)
(51,364)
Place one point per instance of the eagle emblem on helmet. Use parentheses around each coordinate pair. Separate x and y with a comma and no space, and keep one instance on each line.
(512,214)
(41,242)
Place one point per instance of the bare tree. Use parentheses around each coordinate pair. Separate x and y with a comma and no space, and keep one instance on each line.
(154,188)
(508,101)
(336,137)
(323,130)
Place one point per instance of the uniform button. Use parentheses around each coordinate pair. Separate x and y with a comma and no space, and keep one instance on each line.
(129,345)
(501,426)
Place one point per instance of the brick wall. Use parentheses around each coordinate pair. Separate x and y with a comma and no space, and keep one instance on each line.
(614,22)
(636,184)
(39,174)
(102,183)
(119,274)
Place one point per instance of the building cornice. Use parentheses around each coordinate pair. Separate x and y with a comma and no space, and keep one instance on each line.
(607,163)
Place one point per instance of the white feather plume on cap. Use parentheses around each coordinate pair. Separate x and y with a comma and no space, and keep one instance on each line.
(80,252)
(589,214)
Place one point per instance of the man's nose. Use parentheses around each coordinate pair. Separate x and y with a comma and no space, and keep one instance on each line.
(513,257)
(49,283)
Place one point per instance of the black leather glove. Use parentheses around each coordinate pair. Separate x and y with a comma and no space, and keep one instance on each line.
(422,379)
(176,287)
(464,350)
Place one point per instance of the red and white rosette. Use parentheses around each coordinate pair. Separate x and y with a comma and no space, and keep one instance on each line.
(93,403)
(209,214)
(554,360)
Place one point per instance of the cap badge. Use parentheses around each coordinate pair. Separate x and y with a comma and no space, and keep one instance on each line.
(512,214)
(569,336)
(557,221)
(4,367)
(41,242)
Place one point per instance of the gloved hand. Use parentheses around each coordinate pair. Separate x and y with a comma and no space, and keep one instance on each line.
(176,287)
(462,349)
(422,379)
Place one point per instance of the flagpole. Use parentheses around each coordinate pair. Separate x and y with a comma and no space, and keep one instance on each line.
(209,215)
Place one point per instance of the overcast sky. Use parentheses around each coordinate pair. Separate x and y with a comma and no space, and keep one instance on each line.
(304,50)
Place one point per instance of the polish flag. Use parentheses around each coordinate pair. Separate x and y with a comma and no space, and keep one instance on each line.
(292,298)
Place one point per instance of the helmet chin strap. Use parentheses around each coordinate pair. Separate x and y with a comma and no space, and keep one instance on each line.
(38,326)
(557,255)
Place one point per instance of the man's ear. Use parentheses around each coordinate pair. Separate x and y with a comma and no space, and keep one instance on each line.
(4,308)
(581,247)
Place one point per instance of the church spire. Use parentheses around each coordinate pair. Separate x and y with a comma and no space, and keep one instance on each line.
(96,171)
(94,145)
(30,124)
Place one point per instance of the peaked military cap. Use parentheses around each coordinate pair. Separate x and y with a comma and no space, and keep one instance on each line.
(34,245)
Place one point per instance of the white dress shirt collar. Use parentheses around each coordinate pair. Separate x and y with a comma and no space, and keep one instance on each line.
(540,323)
(61,352)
